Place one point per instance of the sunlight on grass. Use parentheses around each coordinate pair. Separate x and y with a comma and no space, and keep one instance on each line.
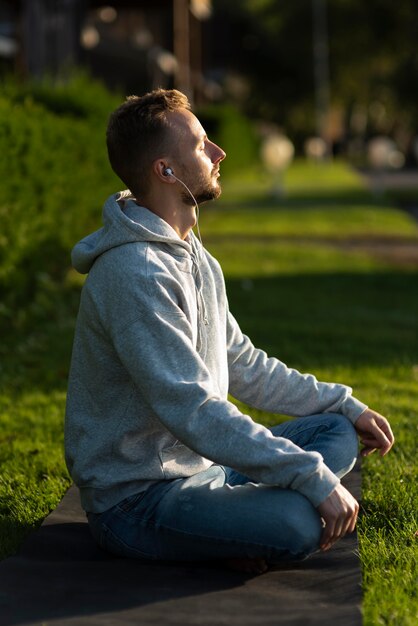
(328,177)
(332,221)
(33,476)
(301,175)
(268,258)
(327,200)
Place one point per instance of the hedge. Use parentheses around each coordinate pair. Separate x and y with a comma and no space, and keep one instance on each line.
(54,176)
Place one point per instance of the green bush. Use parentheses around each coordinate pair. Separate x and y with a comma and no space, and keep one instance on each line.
(54,175)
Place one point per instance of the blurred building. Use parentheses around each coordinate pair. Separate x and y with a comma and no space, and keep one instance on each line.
(132,45)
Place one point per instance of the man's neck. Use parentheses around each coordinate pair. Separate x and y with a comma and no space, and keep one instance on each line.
(180,217)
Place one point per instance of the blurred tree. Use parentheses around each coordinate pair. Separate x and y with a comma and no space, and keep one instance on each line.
(373,61)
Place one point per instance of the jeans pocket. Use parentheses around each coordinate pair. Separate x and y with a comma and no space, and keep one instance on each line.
(129,503)
(125,544)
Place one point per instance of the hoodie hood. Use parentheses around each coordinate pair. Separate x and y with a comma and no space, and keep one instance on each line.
(124,222)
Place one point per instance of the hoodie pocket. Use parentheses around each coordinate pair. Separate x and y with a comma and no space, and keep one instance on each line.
(179,461)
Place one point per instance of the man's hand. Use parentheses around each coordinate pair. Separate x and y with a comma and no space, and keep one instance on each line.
(339,512)
(375,433)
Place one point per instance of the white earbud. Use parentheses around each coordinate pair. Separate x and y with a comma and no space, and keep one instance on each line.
(168,172)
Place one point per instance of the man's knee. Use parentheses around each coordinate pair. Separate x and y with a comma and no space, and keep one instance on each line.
(349,448)
(300,530)
(306,529)
(345,445)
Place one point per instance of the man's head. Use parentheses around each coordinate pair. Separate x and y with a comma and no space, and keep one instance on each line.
(138,132)
(147,134)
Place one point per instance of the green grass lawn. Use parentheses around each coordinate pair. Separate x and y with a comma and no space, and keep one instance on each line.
(345,315)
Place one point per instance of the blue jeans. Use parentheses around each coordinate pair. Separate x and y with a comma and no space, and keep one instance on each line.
(221,514)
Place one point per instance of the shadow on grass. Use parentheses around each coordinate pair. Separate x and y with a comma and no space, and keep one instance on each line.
(326,320)
(13,532)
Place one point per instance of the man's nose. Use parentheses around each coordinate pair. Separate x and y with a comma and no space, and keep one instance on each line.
(217,154)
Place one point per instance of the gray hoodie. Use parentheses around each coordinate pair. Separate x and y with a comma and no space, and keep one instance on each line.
(156,352)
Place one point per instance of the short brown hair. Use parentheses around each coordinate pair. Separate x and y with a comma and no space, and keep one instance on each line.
(137,133)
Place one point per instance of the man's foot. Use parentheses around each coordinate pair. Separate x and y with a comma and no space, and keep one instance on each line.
(249,566)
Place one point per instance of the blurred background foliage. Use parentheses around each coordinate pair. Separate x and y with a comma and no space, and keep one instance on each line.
(53,172)
(281,63)
(373,65)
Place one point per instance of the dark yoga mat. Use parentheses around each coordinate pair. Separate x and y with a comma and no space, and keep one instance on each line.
(61,577)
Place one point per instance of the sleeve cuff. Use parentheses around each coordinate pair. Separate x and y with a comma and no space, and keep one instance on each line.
(319,485)
(352,408)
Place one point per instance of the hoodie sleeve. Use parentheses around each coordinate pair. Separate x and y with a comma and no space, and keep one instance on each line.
(268,384)
(157,351)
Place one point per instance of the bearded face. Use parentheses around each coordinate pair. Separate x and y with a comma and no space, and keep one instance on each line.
(204,189)
(195,159)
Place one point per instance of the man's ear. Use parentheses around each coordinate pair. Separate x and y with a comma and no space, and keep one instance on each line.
(159,168)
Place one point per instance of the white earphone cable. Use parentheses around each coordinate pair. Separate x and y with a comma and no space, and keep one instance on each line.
(196,206)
